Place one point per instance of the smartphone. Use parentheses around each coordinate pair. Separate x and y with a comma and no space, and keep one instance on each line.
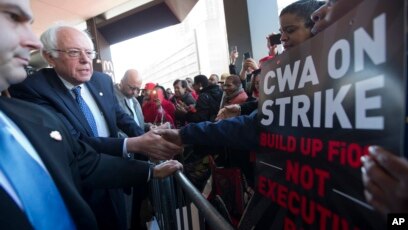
(156,94)
(275,39)
(247,55)
(153,95)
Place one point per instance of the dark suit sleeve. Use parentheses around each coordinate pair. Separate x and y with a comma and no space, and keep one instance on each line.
(88,168)
(103,171)
(248,107)
(238,132)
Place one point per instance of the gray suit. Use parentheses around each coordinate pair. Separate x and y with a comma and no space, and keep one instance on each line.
(136,106)
(132,200)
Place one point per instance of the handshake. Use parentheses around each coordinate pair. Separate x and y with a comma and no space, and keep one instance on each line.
(160,143)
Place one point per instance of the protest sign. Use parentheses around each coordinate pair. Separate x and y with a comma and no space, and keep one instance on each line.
(321,105)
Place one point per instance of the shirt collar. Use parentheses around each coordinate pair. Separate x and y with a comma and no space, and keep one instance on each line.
(68,85)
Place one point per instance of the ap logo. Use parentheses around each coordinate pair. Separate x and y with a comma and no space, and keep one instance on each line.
(397,221)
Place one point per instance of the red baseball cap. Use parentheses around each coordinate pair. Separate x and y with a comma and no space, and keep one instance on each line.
(150,86)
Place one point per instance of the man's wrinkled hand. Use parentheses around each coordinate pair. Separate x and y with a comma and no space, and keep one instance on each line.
(154,145)
(166,168)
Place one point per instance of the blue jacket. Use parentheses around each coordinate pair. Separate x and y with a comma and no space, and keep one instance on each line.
(238,132)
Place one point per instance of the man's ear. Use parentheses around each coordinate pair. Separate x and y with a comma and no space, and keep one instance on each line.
(49,58)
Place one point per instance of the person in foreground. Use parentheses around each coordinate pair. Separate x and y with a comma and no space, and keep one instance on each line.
(38,157)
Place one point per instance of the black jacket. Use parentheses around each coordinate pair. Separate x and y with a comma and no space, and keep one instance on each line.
(207,105)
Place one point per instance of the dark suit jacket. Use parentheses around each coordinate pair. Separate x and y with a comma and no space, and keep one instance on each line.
(73,165)
(46,89)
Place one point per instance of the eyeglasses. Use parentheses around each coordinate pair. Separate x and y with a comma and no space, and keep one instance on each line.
(75,53)
(133,88)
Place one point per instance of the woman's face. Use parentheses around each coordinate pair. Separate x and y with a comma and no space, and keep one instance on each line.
(293,30)
(179,90)
(229,87)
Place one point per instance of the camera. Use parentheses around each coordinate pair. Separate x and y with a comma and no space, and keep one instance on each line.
(247,55)
(275,39)
(156,94)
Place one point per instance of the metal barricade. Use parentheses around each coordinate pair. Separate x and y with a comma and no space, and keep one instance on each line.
(180,206)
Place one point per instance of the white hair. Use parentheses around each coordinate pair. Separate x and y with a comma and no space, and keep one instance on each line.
(49,38)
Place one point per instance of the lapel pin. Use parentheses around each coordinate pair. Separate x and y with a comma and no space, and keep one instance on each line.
(56,135)
(100,94)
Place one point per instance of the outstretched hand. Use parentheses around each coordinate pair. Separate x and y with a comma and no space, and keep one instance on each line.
(166,168)
(165,125)
(170,135)
(385,177)
(228,111)
(154,145)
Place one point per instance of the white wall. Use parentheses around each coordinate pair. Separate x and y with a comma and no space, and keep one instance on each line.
(263,20)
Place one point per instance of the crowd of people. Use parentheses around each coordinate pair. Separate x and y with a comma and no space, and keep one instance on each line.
(89,147)
(376,176)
